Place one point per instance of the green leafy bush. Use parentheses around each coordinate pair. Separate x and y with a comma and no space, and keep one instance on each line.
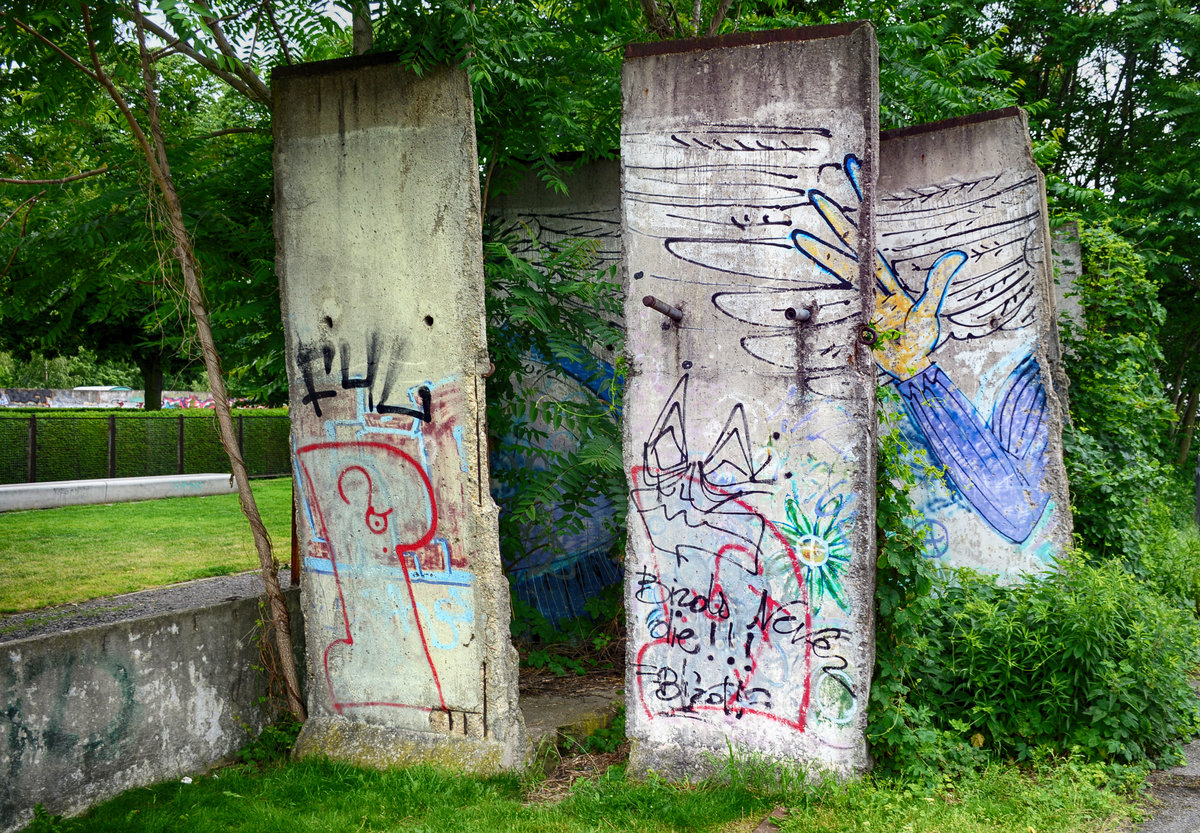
(1088,659)
(549,311)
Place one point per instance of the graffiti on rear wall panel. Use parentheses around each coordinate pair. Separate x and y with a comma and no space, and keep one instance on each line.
(385,497)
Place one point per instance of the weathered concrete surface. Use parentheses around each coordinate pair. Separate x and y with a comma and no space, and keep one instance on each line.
(967,282)
(540,217)
(563,567)
(99,710)
(1067,259)
(568,720)
(16,496)
(748,429)
(380,263)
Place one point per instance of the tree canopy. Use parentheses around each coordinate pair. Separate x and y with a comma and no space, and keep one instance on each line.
(1113,91)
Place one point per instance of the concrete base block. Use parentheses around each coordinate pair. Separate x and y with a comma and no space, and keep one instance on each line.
(384,747)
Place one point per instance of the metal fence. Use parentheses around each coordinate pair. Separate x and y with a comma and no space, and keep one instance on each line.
(38,449)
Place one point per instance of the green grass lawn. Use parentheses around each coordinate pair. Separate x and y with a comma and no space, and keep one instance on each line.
(56,556)
(315,795)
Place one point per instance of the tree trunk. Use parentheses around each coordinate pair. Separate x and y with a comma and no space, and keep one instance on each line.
(364,34)
(151,367)
(156,159)
(1187,428)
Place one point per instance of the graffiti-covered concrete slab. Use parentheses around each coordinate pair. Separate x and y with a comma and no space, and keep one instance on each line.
(540,216)
(965,283)
(377,224)
(567,558)
(748,175)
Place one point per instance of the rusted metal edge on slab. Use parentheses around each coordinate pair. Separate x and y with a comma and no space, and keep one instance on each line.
(669,47)
(949,124)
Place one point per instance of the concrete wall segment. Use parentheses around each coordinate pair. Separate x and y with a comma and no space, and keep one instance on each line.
(750,567)
(380,263)
(95,711)
(962,222)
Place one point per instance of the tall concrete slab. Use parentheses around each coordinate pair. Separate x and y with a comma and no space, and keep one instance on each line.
(966,283)
(568,557)
(380,263)
(1067,257)
(748,176)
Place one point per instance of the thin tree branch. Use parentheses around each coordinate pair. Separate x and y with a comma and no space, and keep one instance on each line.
(24,224)
(183,47)
(227,131)
(718,18)
(654,16)
(194,293)
(101,78)
(63,181)
(287,53)
(261,90)
(56,48)
(16,210)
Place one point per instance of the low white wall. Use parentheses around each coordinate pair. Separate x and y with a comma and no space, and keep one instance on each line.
(115,490)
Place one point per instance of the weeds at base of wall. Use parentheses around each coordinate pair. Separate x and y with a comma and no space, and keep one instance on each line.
(592,642)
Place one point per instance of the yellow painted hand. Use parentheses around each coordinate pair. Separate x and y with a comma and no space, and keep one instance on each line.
(910,327)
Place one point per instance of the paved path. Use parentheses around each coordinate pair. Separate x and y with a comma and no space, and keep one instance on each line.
(1177,797)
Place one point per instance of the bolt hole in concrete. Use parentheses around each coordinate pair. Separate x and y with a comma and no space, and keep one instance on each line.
(328,322)
(429,321)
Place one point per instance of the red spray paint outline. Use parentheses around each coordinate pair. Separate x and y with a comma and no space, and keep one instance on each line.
(802,718)
(424,541)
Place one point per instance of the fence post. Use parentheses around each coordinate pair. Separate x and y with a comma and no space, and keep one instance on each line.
(112,446)
(179,446)
(32,470)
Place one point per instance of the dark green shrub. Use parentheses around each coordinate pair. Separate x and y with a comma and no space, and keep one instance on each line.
(1089,660)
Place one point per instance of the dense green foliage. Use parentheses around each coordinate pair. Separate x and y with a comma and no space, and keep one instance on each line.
(558,451)
(1091,659)
(1114,442)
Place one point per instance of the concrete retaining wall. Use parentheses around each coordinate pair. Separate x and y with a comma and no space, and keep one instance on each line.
(748,424)
(92,712)
(115,490)
(967,282)
(381,276)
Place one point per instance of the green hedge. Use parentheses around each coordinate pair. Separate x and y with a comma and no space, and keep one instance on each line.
(73,444)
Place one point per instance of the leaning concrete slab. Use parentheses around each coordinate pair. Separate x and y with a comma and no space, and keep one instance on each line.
(1067,257)
(541,217)
(568,557)
(966,281)
(380,263)
(748,175)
